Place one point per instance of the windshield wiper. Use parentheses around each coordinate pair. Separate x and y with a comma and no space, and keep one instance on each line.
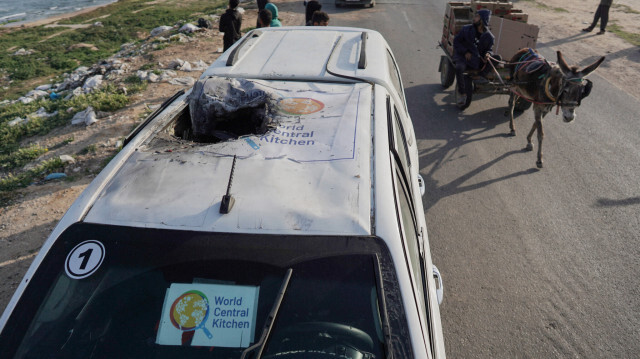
(266,330)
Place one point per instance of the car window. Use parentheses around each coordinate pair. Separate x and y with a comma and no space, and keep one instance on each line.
(165,295)
(407,217)
(397,142)
(401,138)
(395,76)
(411,241)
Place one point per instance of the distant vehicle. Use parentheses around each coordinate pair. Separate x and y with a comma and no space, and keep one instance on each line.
(272,211)
(340,3)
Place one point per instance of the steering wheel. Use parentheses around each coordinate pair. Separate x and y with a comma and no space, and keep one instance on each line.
(321,340)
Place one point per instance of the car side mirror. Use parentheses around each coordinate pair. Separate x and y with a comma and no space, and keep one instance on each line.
(421,185)
(439,286)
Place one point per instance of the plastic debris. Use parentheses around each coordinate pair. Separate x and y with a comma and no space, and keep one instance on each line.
(92,83)
(67,159)
(189,28)
(88,117)
(55,175)
(160,29)
(17,121)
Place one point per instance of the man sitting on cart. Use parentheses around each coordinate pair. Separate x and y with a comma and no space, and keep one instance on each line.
(471,48)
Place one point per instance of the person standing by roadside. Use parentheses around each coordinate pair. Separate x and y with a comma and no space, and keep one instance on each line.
(274,15)
(264,18)
(312,6)
(602,14)
(261,5)
(230,24)
(320,18)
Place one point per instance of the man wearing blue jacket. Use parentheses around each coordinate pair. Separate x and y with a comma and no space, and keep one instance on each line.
(471,46)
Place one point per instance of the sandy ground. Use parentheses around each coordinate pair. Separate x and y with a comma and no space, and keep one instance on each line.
(28,220)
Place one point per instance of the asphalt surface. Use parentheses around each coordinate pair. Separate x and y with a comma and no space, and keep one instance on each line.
(536,263)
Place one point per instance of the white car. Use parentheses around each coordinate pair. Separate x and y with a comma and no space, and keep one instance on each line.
(272,211)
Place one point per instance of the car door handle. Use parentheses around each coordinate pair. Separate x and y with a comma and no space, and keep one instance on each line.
(421,185)
(439,286)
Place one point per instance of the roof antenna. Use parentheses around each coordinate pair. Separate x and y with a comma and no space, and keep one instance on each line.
(227,200)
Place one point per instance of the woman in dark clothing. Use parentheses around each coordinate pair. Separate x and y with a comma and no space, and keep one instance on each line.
(230,24)
(312,6)
(602,14)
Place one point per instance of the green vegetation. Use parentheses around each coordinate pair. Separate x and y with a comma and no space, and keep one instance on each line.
(24,179)
(21,157)
(135,84)
(52,55)
(126,21)
(630,37)
(92,148)
(107,99)
(13,157)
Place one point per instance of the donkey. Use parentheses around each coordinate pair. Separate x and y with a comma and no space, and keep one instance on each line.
(546,85)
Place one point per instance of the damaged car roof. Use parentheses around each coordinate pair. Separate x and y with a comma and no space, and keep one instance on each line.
(310,172)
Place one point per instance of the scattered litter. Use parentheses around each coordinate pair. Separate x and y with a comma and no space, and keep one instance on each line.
(67,159)
(153,77)
(55,175)
(36,94)
(142,75)
(189,28)
(92,83)
(17,121)
(82,45)
(23,52)
(199,66)
(179,38)
(42,113)
(45,87)
(54,96)
(119,144)
(88,117)
(159,30)
(97,24)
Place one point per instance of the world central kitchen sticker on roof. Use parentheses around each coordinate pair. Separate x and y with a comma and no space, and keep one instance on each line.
(312,125)
(201,314)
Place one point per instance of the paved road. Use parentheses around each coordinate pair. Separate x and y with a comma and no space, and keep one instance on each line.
(537,263)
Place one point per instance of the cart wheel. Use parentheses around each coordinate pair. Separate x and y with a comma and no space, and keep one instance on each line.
(447,72)
(522,105)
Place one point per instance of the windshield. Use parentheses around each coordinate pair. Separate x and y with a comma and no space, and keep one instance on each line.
(114,292)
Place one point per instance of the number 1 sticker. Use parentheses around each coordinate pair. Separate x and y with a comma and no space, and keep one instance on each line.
(84,259)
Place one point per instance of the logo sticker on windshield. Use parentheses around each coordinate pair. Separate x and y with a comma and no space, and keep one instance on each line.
(84,259)
(210,315)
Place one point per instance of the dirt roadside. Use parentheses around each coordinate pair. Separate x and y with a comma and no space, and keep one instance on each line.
(28,220)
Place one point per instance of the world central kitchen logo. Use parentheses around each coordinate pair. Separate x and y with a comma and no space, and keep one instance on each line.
(191,310)
(203,314)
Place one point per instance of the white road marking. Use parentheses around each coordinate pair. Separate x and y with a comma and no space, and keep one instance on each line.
(407,19)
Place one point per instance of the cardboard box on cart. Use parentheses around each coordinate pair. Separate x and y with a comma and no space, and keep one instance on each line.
(511,36)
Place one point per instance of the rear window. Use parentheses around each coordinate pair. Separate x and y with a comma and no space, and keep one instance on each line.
(114,292)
